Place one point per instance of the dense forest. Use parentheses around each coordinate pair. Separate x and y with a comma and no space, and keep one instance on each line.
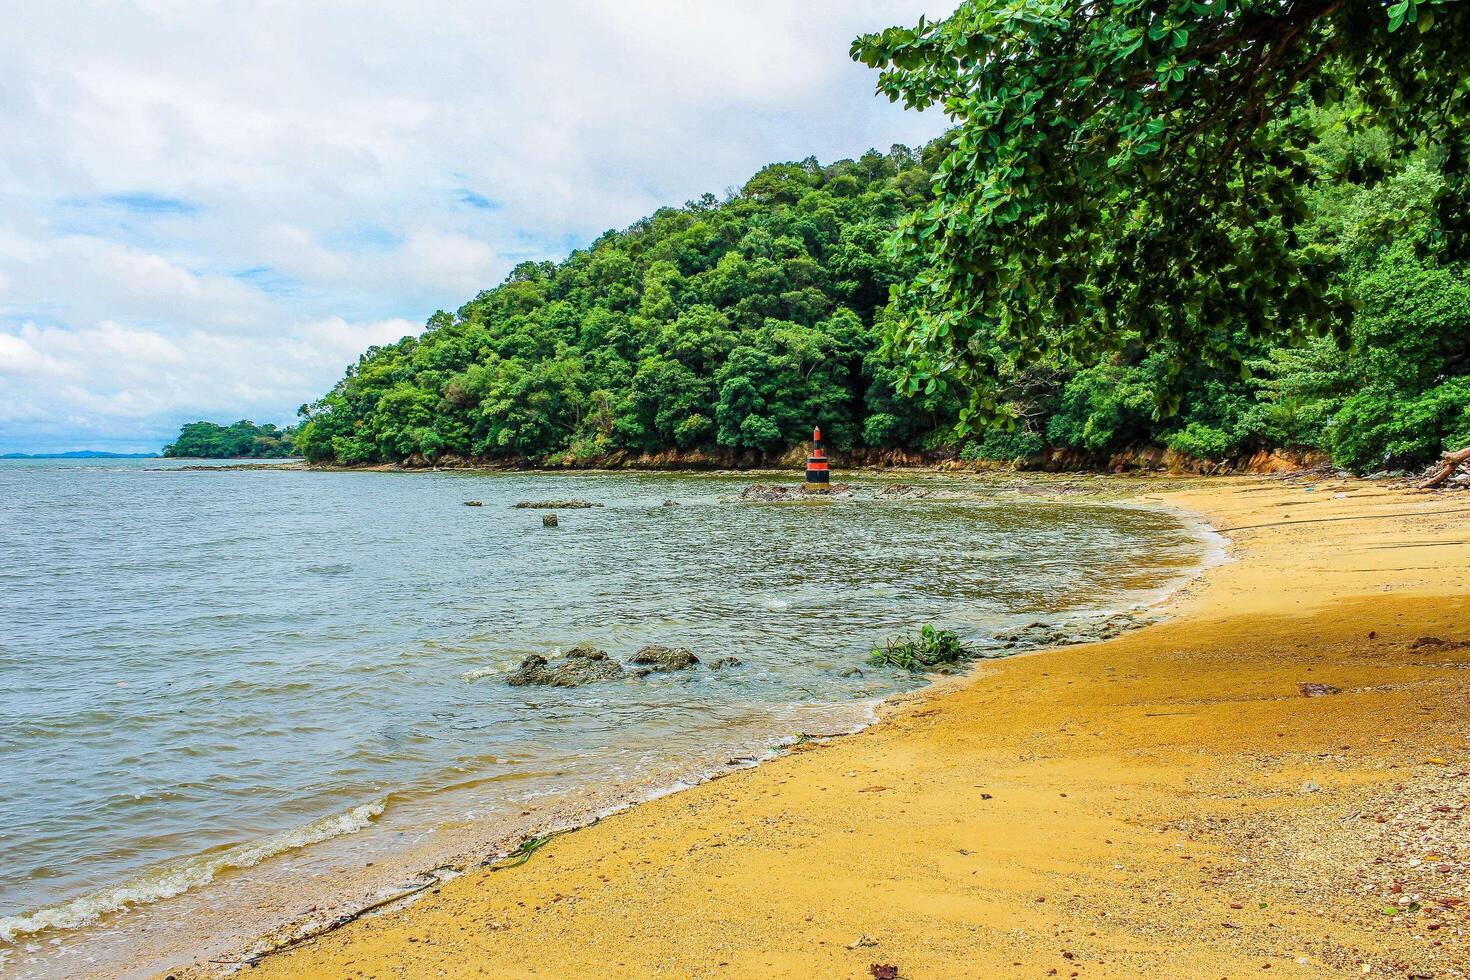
(242,440)
(1184,277)
(724,326)
(731,327)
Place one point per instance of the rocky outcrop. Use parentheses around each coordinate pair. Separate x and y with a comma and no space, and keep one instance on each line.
(800,491)
(659,659)
(583,664)
(1136,459)
(772,491)
(1150,459)
(1035,636)
(904,491)
(573,504)
(586,664)
(793,458)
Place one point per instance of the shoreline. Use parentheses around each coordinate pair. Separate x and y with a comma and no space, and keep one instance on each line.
(451,842)
(384,938)
(1135,461)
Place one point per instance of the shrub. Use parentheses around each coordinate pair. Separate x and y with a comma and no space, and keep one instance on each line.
(931,648)
(1199,440)
(1003,445)
(882,429)
(1382,427)
(350,450)
(1105,407)
(1415,316)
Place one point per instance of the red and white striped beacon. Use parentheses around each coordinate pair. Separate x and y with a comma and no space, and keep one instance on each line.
(817,474)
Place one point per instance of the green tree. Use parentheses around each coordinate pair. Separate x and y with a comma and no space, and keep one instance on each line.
(240,440)
(1136,171)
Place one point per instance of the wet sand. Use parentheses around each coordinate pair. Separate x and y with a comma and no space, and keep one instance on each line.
(1169,803)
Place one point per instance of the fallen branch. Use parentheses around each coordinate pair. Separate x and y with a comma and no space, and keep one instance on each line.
(1448,463)
(332,926)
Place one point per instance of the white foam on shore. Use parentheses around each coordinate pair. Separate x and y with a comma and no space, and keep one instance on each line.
(177,877)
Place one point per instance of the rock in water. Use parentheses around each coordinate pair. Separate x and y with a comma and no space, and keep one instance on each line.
(724,662)
(777,491)
(574,504)
(762,491)
(473,503)
(826,489)
(661,658)
(583,664)
(550,520)
(904,491)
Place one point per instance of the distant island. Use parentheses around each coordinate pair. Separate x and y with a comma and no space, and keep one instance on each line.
(240,440)
(79,454)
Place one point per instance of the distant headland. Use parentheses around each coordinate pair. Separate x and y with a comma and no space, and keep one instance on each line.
(79,454)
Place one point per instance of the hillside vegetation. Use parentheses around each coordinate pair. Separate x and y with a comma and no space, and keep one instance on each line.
(240,440)
(730,327)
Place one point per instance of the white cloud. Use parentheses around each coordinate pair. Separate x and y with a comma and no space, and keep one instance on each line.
(208,210)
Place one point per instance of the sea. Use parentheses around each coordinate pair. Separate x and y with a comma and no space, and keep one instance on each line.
(225,691)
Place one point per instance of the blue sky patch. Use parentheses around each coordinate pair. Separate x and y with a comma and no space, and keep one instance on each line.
(141,202)
(268,280)
(363,237)
(480,201)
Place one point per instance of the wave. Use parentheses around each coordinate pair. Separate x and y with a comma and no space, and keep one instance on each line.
(177,877)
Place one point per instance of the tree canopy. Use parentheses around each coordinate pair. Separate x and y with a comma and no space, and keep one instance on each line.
(728,327)
(243,439)
(1137,173)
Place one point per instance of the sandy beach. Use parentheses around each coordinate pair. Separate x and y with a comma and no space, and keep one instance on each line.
(1275,778)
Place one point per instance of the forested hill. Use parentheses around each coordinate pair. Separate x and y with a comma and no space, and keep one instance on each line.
(731,327)
(240,440)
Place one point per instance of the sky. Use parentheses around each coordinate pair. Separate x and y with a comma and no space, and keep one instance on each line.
(208,209)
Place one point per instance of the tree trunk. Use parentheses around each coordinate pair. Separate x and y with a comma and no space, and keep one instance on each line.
(1448,463)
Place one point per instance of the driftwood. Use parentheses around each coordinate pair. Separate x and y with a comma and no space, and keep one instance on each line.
(332,926)
(1448,463)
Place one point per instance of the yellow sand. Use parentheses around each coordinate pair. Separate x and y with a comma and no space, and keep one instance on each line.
(1167,804)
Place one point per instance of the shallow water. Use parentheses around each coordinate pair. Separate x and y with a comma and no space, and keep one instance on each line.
(202,670)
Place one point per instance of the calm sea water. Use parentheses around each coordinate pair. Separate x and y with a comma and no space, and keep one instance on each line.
(201,670)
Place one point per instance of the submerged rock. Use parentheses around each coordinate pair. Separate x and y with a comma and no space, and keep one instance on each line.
(661,658)
(583,664)
(904,491)
(763,491)
(826,490)
(671,503)
(724,662)
(1035,636)
(573,504)
(802,491)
